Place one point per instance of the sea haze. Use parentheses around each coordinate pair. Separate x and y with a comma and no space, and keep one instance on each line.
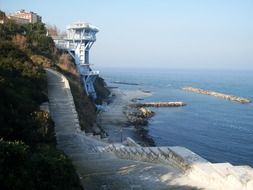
(217,129)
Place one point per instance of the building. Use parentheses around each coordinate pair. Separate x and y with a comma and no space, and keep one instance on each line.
(23,16)
(19,20)
(78,42)
(3,17)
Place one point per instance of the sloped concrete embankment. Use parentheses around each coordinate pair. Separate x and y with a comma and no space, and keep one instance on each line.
(214,175)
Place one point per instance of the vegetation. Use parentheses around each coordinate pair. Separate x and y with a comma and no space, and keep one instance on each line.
(28,157)
(44,168)
(102,91)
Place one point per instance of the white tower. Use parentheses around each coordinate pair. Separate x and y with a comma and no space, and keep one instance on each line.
(79,40)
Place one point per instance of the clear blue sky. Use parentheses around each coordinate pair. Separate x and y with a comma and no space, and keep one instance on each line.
(158,33)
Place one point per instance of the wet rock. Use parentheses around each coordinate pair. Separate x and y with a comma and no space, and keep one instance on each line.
(139,116)
(145,113)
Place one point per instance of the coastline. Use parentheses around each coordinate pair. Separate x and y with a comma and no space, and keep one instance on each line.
(115,122)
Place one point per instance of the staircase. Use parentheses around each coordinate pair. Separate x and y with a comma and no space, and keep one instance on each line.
(217,175)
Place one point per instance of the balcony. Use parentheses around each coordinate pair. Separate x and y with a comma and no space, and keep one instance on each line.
(94,73)
(79,38)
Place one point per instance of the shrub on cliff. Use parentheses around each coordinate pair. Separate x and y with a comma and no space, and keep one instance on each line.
(23,89)
(22,168)
(31,38)
(101,89)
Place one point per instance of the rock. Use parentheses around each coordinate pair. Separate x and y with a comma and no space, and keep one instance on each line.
(135,120)
(96,129)
(146,113)
(139,116)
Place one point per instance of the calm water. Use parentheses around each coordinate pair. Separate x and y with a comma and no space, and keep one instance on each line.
(216,129)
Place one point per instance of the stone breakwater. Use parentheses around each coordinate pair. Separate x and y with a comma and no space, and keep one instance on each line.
(139,114)
(161,104)
(218,94)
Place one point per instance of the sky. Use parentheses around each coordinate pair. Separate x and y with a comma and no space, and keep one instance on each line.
(191,34)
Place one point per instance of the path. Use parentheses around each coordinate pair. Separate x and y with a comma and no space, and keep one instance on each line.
(102,170)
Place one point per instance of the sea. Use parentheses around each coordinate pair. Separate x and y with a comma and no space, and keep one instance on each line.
(218,130)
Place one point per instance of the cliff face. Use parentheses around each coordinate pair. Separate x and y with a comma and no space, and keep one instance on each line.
(101,89)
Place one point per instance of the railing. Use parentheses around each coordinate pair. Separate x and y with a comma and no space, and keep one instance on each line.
(85,37)
(62,44)
(94,73)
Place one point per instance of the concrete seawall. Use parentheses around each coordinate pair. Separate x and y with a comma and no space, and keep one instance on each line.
(115,166)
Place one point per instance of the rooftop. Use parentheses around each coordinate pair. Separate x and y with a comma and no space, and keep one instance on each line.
(80,25)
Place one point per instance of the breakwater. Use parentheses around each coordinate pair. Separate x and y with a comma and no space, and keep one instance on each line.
(218,94)
(125,83)
(161,104)
(139,114)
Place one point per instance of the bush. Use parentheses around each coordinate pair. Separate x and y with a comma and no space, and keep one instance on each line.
(23,88)
(45,168)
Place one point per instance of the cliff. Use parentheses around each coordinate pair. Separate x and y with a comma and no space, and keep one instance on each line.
(29,158)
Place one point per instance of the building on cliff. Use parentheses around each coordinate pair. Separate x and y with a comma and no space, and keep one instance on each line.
(78,42)
(23,17)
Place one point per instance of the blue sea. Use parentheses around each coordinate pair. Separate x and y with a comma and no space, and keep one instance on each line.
(216,129)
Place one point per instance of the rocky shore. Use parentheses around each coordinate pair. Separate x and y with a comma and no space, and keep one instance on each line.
(125,116)
(121,120)
(138,113)
(218,94)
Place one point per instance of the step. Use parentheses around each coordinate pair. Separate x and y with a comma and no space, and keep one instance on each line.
(207,175)
(227,172)
(103,165)
(187,156)
(139,150)
(101,149)
(166,153)
(247,169)
(243,174)
(91,156)
(132,150)
(155,151)
(148,151)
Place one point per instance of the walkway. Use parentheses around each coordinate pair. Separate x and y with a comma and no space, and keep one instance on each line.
(102,170)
